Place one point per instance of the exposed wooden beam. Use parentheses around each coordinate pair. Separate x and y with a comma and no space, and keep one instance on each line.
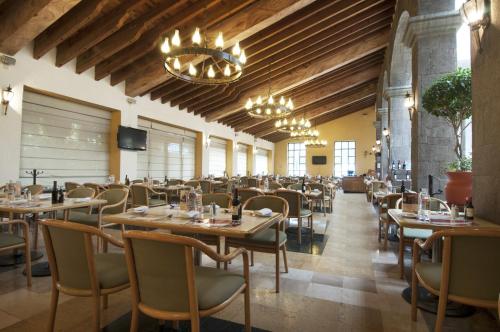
(126,36)
(67,25)
(22,21)
(310,70)
(104,26)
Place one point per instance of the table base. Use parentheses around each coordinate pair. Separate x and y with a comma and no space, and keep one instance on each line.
(429,303)
(19,258)
(39,270)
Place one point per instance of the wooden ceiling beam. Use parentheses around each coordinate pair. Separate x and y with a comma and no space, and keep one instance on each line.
(126,36)
(311,69)
(75,19)
(22,21)
(103,27)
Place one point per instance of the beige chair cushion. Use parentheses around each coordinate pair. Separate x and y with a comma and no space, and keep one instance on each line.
(430,273)
(7,240)
(111,269)
(416,233)
(305,212)
(156,202)
(84,218)
(268,236)
(215,286)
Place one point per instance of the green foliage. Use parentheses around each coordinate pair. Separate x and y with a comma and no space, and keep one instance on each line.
(461,165)
(450,97)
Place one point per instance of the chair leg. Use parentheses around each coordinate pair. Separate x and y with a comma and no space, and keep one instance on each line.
(134,322)
(97,313)
(414,295)
(226,251)
(35,244)
(299,233)
(401,253)
(277,270)
(379,231)
(386,233)
(248,324)
(251,257)
(105,301)
(27,254)
(283,248)
(218,251)
(54,299)
(195,324)
(441,313)
(312,231)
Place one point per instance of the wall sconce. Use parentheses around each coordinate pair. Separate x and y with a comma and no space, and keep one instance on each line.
(207,142)
(386,134)
(476,13)
(378,142)
(410,104)
(7,95)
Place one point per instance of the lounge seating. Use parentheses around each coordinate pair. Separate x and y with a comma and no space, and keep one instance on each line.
(188,294)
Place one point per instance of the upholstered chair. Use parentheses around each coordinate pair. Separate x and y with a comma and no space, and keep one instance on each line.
(246,193)
(71,185)
(296,201)
(10,241)
(142,195)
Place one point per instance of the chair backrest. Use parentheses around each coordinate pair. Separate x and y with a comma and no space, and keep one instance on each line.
(321,187)
(473,257)
(161,270)
(221,199)
(140,195)
(137,181)
(253,182)
(192,183)
(35,189)
(275,203)
(71,185)
(391,200)
(116,197)
(246,193)
(377,186)
(117,186)
(244,181)
(97,188)
(71,254)
(206,186)
(294,199)
(81,192)
(435,204)
(274,185)
(174,182)
(229,186)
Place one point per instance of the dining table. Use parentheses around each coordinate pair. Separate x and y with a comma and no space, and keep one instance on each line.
(35,208)
(172,219)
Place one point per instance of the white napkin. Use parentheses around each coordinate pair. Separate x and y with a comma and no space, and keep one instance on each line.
(316,190)
(140,209)
(19,201)
(81,199)
(189,214)
(264,212)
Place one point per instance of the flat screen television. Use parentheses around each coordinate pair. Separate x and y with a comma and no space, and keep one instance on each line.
(319,160)
(132,138)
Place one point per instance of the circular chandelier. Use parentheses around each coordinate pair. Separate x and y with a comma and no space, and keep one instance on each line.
(286,126)
(306,134)
(315,143)
(216,67)
(269,109)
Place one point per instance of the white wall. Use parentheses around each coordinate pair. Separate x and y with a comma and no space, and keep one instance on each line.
(44,75)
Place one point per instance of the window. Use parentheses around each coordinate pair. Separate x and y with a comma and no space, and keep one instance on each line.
(345,158)
(217,157)
(296,159)
(242,160)
(261,162)
(170,152)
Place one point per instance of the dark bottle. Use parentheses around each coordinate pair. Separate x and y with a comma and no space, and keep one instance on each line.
(127,181)
(403,189)
(304,184)
(165,180)
(321,179)
(236,208)
(54,193)
(404,164)
(399,164)
(61,196)
(393,165)
(469,209)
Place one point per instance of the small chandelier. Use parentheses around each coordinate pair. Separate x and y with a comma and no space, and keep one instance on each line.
(217,66)
(315,143)
(288,126)
(307,134)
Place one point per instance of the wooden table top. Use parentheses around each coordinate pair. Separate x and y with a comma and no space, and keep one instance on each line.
(158,217)
(47,206)
(395,214)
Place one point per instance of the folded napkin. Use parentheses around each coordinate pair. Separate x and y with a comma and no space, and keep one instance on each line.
(140,209)
(189,214)
(82,199)
(264,212)
(316,190)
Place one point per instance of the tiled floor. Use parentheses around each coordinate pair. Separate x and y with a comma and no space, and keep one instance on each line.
(352,286)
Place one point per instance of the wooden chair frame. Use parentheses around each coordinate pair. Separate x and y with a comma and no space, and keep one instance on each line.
(303,198)
(26,245)
(149,192)
(194,313)
(443,293)
(259,247)
(95,291)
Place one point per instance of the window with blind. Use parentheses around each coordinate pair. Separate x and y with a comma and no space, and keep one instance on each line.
(217,157)
(296,159)
(345,158)
(242,159)
(66,140)
(170,152)
(261,162)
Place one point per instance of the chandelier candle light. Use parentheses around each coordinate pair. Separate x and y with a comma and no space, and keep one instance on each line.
(270,109)
(315,143)
(217,66)
(287,126)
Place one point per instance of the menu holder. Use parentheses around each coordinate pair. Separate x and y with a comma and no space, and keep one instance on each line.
(410,203)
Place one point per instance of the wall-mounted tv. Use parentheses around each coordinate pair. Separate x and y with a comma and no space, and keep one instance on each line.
(319,160)
(132,138)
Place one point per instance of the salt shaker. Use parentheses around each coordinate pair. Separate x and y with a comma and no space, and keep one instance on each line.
(453,212)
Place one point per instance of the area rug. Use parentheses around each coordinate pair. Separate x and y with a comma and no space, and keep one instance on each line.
(316,248)
(148,324)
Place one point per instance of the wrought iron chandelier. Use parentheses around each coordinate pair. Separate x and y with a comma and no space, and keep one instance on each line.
(306,134)
(288,126)
(216,66)
(315,143)
(267,107)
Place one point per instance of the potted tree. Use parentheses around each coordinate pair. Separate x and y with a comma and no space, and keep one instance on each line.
(450,97)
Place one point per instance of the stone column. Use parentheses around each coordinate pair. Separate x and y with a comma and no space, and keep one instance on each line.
(399,125)
(384,149)
(433,40)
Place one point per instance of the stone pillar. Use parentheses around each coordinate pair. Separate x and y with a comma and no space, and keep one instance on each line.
(432,38)
(399,125)
(384,149)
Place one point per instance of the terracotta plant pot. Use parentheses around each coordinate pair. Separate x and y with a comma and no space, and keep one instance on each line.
(458,188)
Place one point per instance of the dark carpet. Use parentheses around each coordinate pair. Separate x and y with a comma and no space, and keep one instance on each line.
(316,248)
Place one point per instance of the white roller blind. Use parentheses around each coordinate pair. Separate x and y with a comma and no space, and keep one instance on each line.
(170,152)
(242,159)
(261,162)
(66,140)
(217,157)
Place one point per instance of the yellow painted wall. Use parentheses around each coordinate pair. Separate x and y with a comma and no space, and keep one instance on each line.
(353,127)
